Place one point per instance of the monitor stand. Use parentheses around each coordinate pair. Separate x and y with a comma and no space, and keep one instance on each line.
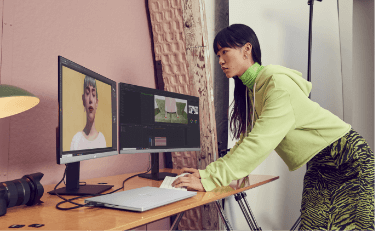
(155,174)
(72,184)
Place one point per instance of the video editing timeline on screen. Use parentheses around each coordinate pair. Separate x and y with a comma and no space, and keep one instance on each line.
(156,119)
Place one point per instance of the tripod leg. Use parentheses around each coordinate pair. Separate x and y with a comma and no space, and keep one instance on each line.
(176,221)
(251,214)
(223,217)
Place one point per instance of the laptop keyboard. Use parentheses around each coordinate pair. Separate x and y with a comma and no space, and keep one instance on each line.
(168,180)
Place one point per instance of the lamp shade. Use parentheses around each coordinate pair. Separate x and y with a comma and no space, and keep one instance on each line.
(14,100)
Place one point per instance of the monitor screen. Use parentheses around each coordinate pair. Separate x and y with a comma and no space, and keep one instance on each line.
(87,114)
(152,120)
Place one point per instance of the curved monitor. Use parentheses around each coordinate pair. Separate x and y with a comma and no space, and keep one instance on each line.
(87,114)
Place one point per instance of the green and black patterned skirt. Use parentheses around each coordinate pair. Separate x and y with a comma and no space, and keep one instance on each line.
(338,189)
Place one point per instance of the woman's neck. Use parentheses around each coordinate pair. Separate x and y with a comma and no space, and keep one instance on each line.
(249,63)
(90,131)
(249,76)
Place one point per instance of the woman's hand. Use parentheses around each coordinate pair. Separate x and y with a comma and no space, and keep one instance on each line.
(192,171)
(189,181)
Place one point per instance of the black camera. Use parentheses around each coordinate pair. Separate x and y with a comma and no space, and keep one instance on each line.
(27,190)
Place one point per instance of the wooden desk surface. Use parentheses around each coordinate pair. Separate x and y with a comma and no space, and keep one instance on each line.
(93,218)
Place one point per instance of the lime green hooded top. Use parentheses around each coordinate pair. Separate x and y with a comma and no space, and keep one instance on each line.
(285,120)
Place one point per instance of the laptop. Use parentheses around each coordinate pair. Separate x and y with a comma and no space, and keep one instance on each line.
(140,199)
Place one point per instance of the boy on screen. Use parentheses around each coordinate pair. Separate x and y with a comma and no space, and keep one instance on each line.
(170,106)
(89,138)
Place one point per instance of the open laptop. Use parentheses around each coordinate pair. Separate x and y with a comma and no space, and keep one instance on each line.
(140,199)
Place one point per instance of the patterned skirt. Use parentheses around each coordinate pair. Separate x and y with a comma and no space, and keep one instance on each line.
(338,189)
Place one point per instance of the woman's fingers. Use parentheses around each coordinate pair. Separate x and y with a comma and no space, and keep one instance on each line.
(192,171)
(178,181)
(190,182)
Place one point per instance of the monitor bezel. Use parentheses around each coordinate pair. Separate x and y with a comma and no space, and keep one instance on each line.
(88,153)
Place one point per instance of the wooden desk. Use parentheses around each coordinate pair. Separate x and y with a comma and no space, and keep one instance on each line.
(94,218)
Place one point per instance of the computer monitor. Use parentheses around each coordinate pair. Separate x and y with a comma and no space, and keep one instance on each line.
(87,126)
(153,121)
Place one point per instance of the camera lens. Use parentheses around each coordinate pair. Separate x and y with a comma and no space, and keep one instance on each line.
(18,192)
(36,188)
(26,190)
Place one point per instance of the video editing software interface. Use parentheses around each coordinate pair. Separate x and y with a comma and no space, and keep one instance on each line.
(151,119)
(87,113)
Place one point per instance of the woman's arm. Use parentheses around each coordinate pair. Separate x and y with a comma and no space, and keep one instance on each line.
(275,121)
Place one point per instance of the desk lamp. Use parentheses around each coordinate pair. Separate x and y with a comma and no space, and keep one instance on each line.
(14,100)
(27,190)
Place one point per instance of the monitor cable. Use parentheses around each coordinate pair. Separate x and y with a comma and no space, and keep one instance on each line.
(87,205)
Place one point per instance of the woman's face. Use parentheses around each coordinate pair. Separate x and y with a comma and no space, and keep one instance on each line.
(233,61)
(90,102)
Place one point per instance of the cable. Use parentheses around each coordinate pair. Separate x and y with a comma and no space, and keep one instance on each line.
(252,120)
(246,123)
(86,205)
(67,200)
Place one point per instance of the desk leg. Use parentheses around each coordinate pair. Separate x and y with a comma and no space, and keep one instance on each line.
(222,215)
(296,224)
(176,221)
(251,213)
(248,216)
(238,198)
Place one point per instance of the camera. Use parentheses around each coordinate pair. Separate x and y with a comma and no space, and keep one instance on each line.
(27,190)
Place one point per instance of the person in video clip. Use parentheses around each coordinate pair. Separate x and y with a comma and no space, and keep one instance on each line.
(338,191)
(170,106)
(89,138)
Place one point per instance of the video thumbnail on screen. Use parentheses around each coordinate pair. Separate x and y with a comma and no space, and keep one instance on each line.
(170,110)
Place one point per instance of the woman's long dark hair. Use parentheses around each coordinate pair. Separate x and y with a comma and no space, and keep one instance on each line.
(236,36)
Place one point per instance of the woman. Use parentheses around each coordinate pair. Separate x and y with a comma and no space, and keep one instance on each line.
(89,138)
(338,186)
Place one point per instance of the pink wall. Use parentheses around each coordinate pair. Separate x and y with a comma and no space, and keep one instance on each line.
(109,37)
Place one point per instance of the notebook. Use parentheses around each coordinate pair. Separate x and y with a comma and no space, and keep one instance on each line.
(140,199)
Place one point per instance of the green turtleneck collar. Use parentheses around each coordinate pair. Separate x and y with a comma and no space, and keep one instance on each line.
(248,78)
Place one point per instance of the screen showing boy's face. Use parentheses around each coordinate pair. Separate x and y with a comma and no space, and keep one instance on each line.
(90,102)
(82,106)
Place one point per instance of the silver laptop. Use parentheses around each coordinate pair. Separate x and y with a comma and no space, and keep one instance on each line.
(140,199)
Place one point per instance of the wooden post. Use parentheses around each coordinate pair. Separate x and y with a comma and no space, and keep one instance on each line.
(197,54)
(180,43)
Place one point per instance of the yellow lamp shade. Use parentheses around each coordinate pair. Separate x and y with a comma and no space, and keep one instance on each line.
(14,100)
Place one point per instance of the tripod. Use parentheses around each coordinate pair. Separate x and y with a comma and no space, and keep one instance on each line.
(311,3)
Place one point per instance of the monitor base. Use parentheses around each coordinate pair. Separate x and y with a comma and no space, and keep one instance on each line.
(158,176)
(155,174)
(82,190)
